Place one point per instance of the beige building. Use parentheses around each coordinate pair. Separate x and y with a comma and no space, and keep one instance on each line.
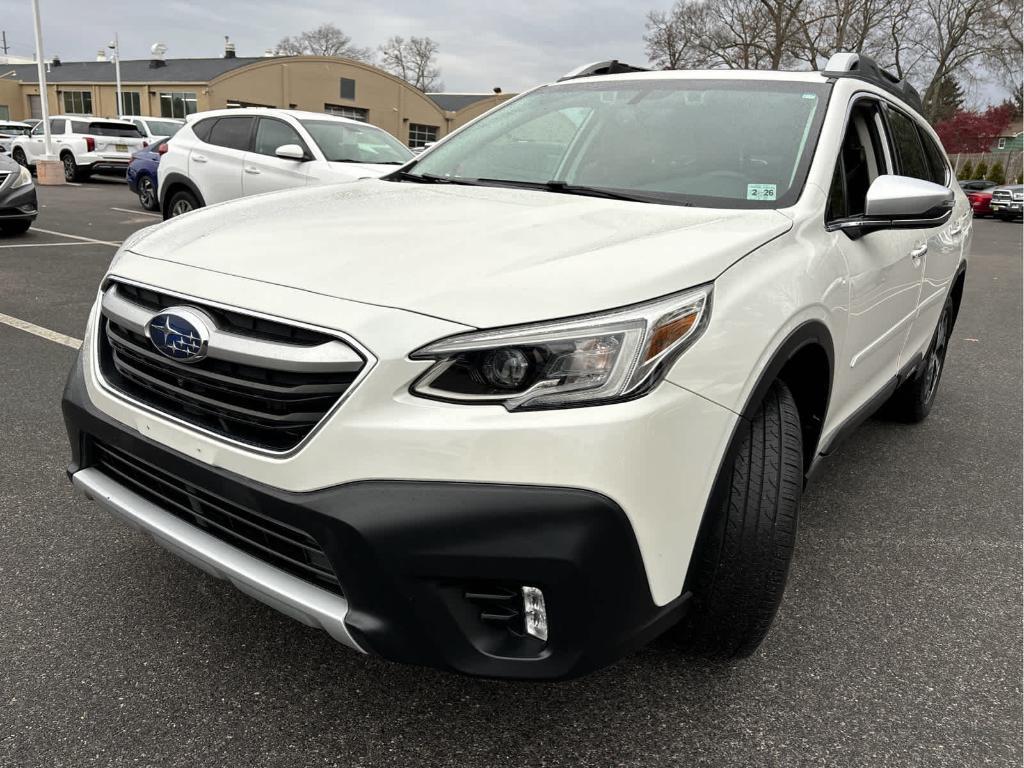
(179,87)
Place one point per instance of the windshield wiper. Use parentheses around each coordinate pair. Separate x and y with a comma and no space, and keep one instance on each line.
(429,178)
(563,188)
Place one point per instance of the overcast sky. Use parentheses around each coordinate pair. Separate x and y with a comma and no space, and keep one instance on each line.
(513,44)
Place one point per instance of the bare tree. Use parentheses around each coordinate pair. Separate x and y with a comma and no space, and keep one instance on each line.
(325,40)
(414,60)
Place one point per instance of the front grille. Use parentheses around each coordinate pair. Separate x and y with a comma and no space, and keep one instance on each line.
(275,543)
(259,401)
(3,177)
(1001,195)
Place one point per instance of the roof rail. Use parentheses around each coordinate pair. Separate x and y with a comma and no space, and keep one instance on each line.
(862,67)
(613,67)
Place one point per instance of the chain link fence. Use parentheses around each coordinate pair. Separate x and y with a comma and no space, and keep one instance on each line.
(1013,164)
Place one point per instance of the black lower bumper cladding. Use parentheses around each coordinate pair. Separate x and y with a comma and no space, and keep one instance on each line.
(415,559)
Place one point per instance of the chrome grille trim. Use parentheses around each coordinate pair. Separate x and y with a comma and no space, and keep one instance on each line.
(331,356)
(341,366)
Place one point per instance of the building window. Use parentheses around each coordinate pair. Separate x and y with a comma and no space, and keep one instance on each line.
(1002,142)
(77,102)
(5,112)
(177,104)
(348,88)
(131,103)
(352,113)
(421,135)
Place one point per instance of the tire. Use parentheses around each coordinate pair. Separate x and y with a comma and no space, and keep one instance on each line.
(913,401)
(740,563)
(15,227)
(182,201)
(71,169)
(1007,216)
(147,194)
(18,156)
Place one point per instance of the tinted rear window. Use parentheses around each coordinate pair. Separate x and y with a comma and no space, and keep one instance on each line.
(232,132)
(202,129)
(119,130)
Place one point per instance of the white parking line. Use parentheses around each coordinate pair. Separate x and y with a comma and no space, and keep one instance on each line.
(138,213)
(77,237)
(38,330)
(40,245)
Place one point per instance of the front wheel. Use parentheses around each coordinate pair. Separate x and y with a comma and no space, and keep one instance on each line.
(147,194)
(1007,216)
(15,227)
(741,560)
(18,155)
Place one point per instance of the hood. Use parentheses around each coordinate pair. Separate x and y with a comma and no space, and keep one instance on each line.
(480,256)
(348,171)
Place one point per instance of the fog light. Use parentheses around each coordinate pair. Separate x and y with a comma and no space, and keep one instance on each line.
(536,614)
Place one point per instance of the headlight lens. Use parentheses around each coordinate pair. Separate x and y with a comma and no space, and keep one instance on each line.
(23,178)
(580,361)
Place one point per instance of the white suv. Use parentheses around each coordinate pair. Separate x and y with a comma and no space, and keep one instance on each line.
(229,153)
(549,391)
(83,144)
(157,128)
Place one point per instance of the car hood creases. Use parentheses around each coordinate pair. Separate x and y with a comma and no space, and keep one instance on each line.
(480,256)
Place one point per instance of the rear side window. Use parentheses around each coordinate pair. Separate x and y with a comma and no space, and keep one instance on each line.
(57,126)
(202,129)
(936,158)
(271,134)
(232,132)
(119,130)
(912,159)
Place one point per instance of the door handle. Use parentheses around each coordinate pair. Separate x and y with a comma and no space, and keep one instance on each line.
(918,252)
(199,158)
(250,169)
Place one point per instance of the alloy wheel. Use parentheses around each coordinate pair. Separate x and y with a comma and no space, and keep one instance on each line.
(146,193)
(69,168)
(937,356)
(180,207)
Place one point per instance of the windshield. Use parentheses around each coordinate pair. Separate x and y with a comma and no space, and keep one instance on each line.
(14,130)
(163,127)
(349,143)
(716,143)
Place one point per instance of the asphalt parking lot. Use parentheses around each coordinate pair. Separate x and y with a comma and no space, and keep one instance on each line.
(898,644)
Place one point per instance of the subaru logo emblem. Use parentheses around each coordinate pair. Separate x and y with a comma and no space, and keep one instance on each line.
(180,333)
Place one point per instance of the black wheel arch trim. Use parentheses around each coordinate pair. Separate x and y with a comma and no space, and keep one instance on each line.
(172,180)
(810,332)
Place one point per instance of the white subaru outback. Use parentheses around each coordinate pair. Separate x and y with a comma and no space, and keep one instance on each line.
(551,389)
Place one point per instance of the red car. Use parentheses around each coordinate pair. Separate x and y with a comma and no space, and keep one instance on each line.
(979,193)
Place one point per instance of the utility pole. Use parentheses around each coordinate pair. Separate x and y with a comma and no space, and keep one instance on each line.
(3,35)
(43,100)
(117,73)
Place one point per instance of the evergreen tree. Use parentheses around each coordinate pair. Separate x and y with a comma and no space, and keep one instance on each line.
(981,170)
(949,98)
(997,174)
(967,171)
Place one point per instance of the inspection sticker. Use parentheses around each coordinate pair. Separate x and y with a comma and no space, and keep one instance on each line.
(760,191)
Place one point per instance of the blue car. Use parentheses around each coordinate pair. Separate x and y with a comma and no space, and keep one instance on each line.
(142,174)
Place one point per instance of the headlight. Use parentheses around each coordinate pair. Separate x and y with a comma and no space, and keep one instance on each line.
(586,360)
(23,178)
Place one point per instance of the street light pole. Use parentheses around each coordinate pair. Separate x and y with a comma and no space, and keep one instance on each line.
(117,74)
(43,100)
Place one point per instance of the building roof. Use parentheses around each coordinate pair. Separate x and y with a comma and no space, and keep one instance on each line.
(134,71)
(453,102)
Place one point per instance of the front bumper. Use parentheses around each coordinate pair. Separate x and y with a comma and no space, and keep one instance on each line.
(1007,207)
(18,204)
(407,553)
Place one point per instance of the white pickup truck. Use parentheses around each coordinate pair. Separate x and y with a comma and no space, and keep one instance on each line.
(83,145)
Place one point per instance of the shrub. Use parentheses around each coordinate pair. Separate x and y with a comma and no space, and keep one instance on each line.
(966,172)
(997,174)
(981,170)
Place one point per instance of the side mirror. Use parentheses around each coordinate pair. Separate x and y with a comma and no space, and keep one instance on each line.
(290,152)
(900,202)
